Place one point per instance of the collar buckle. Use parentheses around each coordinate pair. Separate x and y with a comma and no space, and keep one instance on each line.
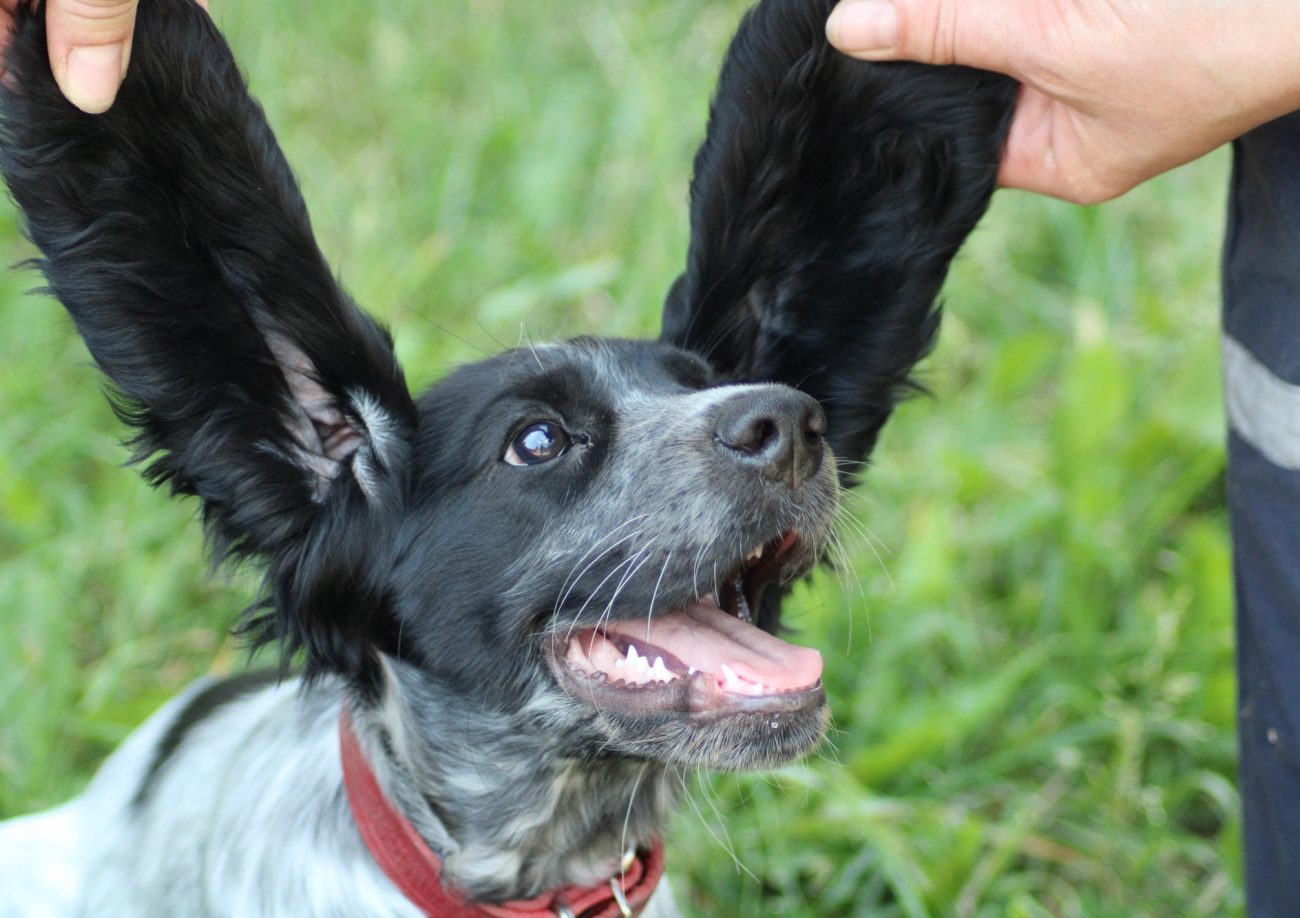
(620,898)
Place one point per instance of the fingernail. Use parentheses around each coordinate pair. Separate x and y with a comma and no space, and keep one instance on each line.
(94,75)
(857,26)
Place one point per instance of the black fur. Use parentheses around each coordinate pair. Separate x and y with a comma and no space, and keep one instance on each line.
(405,551)
(173,231)
(829,198)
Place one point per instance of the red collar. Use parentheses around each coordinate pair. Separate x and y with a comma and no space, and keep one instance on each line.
(414,868)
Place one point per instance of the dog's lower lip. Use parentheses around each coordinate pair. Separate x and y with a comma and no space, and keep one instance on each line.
(697,697)
(697,661)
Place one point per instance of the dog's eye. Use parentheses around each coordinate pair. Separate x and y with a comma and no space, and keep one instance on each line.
(539,442)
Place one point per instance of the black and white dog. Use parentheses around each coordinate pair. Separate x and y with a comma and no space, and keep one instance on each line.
(524,600)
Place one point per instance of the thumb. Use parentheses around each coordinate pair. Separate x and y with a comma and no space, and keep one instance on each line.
(90,43)
(931,31)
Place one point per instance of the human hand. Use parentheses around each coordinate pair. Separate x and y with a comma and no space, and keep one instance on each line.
(1114,91)
(90,44)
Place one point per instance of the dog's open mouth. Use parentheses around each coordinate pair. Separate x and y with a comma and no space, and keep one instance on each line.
(706,659)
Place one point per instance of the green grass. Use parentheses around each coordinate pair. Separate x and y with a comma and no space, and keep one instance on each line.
(1030,656)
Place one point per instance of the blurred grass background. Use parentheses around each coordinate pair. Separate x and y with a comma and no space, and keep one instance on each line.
(1030,658)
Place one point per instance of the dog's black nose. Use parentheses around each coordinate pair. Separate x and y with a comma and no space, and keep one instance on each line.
(775,429)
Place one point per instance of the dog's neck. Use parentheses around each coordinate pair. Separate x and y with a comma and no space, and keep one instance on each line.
(496,796)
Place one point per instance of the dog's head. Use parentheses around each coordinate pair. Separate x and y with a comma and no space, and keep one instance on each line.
(601,530)
(603,527)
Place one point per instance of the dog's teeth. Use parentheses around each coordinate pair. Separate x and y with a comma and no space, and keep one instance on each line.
(636,668)
(742,608)
(691,671)
(661,672)
(755,554)
(738,686)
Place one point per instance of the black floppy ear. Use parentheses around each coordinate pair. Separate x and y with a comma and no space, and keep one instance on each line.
(828,199)
(173,231)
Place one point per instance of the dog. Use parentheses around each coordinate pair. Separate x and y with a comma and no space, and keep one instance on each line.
(520,603)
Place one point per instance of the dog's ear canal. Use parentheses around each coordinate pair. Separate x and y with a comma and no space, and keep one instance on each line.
(174,233)
(829,197)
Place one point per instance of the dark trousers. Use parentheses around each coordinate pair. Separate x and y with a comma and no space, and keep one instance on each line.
(1261,279)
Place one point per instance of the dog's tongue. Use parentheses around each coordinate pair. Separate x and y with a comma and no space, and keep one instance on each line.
(706,638)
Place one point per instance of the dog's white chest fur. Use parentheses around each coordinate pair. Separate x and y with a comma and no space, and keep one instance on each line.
(250,804)
(248,807)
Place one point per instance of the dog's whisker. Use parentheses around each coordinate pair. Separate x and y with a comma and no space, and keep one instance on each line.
(843,567)
(572,581)
(577,615)
(845,518)
(575,575)
(445,329)
(695,572)
(644,555)
(524,339)
(627,816)
(874,544)
(845,515)
(843,564)
(828,751)
(573,620)
(723,840)
(650,611)
(860,496)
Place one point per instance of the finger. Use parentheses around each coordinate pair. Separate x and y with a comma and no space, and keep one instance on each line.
(8,9)
(1046,153)
(983,34)
(6,33)
(90,44)
(1028,159)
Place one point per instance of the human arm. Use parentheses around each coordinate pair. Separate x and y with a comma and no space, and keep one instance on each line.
(1114,91)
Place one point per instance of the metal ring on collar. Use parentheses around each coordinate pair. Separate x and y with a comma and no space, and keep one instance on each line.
(624,909)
